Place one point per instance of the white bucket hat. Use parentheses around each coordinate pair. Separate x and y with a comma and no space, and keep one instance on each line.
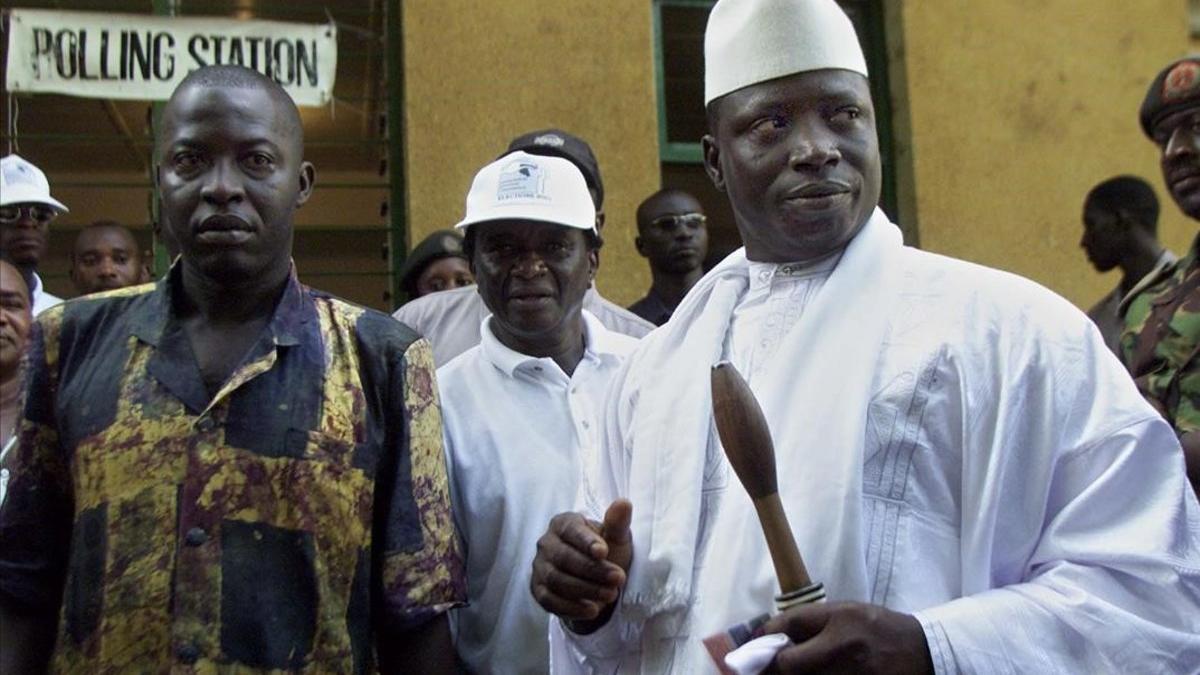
(752,41)
(521,186)
(21,182)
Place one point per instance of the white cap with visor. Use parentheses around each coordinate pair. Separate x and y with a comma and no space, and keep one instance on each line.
(23,183)
(521,186)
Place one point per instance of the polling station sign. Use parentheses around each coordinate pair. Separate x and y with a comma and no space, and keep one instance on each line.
(134,56)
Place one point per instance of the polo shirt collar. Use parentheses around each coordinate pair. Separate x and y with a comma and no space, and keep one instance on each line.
(597,344)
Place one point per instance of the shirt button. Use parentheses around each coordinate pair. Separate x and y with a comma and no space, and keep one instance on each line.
(586,425)
(206,424)
(188,654)
(195,536)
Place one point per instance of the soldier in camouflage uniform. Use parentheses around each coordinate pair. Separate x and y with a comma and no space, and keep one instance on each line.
(1161,341)
(228,471)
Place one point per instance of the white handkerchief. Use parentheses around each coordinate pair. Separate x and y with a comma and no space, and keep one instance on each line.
(753,657)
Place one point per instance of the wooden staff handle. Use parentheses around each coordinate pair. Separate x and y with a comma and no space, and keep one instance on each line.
(785,555)
(747,442)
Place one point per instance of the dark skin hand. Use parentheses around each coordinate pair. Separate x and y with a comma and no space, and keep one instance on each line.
(581,566)
(850,637)
(424,649)
(1191,458)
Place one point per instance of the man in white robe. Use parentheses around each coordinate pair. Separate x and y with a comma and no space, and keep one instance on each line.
(966,466)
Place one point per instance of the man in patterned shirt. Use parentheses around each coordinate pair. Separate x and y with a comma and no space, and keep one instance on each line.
(1161,340)
(228,469)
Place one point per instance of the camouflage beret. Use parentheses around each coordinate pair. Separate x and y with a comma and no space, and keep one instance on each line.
(1177,87)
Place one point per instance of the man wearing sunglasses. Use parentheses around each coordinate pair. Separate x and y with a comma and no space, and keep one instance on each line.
(26,209)
(673,238)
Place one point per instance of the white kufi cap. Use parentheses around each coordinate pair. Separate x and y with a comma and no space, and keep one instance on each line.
(521,186)
(752,41)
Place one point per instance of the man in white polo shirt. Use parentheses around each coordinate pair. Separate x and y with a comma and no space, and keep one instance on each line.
(521,408)
(450,320)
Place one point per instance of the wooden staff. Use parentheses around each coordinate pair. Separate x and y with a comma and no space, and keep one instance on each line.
(747,441)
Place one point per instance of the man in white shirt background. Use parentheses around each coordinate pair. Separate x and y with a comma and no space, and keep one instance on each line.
(26,211)
(967,468)
(450,320)
(521,409)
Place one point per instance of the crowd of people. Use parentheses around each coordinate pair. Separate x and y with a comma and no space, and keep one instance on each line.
(227,468)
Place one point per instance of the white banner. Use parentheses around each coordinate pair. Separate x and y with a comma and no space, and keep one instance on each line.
(137,56)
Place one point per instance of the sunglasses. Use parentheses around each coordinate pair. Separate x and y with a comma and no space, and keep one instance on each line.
(686,219)
(40,214)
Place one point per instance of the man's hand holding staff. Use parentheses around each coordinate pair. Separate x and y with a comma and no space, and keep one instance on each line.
(828,638)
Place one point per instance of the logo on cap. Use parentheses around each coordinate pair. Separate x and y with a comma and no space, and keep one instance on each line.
(521,179)
(552,140)
(451,244)
(18,172)
(1181,81)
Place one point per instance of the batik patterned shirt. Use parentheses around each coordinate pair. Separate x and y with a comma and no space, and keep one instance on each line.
(269,527)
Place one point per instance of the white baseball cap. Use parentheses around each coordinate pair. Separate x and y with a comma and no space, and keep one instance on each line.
(521,186)
(22,182)
(752,41)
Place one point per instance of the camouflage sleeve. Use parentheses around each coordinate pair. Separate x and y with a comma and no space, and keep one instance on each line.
(36,515)
(1159,346)
(1135,322)
(1186,415)
(422,564)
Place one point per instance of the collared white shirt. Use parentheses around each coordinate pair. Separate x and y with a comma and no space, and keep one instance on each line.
(518,432)
(41,299)
(774,302)
(451,319)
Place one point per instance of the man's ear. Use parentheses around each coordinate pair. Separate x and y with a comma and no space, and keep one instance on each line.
(593,263)
(712,161)
(640,246)
(308,174)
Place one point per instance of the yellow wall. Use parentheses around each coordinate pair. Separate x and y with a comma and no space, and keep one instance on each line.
(1015,110)
(479,73)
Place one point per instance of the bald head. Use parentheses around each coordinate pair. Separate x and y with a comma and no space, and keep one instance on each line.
(231,173)
(238,77)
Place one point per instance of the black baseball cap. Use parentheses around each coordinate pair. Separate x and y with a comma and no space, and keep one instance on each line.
(558,143)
